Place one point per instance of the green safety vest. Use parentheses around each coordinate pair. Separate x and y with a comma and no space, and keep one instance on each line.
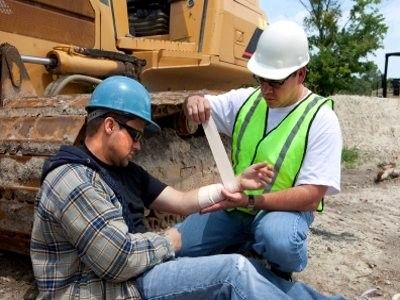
(284,147)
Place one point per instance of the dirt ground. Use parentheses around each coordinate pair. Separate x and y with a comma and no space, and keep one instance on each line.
(355,243)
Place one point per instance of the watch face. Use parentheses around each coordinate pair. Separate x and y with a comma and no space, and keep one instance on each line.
(251,202)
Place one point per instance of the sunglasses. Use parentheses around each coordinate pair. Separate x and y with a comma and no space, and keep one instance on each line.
(272,83)
(135,134)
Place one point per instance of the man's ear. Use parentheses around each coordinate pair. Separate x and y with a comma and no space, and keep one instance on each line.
(302,74)
(108,125)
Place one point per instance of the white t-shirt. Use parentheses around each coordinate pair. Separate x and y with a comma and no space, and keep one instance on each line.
(321,165)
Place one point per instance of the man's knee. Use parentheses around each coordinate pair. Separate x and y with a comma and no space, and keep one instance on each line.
(285,248)
(210,233)
(231,266)
(289,256)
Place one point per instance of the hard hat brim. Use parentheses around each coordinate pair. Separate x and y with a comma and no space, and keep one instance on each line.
(152,127)
(271,73)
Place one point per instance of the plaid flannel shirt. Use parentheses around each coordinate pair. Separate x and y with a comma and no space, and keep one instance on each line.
(80,245)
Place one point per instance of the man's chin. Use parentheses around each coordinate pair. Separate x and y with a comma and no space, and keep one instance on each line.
(270,101)
(128,159)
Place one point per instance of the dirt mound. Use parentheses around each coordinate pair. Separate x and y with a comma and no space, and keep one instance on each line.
(371,125)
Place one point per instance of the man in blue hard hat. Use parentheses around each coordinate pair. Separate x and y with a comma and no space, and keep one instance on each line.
(89,240)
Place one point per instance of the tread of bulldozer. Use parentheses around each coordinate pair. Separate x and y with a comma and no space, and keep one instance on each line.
(32,129)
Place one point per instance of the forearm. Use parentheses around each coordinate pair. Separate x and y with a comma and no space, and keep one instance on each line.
(299,198)
(189,203)
(149,249)
(102,239)
(211,196)
(185,203)
(124,256)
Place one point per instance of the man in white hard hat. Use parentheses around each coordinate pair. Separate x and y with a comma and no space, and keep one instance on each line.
(284,124)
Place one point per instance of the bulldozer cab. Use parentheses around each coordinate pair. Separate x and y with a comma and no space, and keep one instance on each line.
(185,44)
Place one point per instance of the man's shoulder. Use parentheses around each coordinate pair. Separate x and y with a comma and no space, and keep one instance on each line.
(70,174)
(326,121)
(326,108)
(63,184)
(326,112)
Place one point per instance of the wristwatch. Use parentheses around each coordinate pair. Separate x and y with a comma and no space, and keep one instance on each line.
(252,202)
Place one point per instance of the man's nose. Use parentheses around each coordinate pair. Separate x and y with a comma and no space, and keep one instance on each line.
(136,145)
(266,88)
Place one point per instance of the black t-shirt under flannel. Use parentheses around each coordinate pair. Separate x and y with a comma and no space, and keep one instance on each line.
(138,189)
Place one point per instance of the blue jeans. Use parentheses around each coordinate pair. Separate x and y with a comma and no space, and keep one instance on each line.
(230,276)
(278,236)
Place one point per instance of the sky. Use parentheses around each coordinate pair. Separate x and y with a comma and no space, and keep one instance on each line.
(293,10)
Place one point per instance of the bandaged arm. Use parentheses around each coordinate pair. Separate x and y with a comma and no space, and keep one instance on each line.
(185,203)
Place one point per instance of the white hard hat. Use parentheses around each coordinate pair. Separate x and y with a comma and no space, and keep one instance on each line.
(281,50)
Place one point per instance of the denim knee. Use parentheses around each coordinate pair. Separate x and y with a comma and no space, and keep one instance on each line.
(282,239)
(289,252)
(235,265)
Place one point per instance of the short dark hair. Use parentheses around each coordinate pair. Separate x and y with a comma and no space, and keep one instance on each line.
(93,125)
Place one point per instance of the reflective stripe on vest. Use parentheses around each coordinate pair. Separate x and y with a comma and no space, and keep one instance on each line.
(283,147)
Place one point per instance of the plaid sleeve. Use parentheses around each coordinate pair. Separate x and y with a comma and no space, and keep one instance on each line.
(92,219)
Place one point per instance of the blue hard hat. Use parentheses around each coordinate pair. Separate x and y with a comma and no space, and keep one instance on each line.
(125,96)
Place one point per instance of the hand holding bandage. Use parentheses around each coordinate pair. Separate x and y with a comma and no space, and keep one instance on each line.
(254,177)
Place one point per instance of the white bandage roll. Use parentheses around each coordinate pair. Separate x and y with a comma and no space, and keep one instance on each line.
(221,158)
(209,195)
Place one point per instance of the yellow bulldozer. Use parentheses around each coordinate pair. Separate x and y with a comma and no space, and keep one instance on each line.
(53,53)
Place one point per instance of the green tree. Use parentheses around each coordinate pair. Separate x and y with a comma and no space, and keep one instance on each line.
(366,83)
(339,53)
